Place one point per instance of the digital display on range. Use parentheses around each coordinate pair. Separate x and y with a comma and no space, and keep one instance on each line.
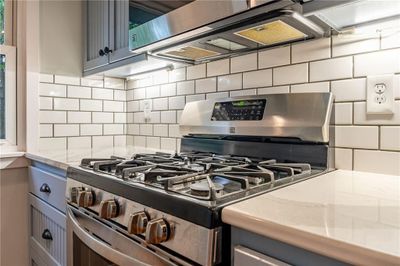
(243,110)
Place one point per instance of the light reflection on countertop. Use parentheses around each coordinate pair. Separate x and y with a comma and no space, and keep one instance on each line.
(348,215)
(64,158)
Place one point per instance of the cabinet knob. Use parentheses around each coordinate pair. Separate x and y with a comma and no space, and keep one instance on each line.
(101,52)
(47,235)
(45,188)
(107,50)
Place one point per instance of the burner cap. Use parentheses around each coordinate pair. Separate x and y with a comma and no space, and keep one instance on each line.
(203,189)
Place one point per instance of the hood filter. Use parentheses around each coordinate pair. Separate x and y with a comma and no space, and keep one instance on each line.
(272,33)
(192,52)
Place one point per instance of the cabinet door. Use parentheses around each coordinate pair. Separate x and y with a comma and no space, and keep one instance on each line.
(119,30)
(96,33)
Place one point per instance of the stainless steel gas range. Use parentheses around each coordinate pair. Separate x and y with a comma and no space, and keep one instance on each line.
(164,209)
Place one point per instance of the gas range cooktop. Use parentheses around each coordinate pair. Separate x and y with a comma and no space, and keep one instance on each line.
(203,177)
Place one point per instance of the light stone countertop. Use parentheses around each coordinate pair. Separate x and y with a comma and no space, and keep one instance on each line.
(64,158)
(350,216)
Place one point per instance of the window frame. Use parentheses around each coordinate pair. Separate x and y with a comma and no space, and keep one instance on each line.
(9,50)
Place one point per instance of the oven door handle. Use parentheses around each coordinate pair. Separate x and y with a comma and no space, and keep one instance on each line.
(99,246)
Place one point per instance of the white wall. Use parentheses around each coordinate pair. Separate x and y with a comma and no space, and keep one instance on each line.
(61,44)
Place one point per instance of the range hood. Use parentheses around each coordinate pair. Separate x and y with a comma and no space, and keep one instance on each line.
(204,30)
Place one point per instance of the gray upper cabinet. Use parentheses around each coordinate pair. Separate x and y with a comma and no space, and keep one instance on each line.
(105,33)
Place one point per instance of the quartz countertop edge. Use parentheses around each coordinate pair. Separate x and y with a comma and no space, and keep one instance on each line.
(333,223)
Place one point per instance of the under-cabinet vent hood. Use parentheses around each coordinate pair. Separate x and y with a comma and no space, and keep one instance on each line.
(203,30)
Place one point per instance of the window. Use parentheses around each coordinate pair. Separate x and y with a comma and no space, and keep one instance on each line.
(8,99)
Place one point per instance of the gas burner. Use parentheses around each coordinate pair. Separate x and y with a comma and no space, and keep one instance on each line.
(202,188)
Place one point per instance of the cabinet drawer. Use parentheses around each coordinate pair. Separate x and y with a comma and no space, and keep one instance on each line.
(48,230)
(48,187)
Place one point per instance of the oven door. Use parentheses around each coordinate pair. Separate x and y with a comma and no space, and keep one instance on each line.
(93,243)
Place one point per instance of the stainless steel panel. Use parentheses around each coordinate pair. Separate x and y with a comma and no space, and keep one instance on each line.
(299,115)
(193,241)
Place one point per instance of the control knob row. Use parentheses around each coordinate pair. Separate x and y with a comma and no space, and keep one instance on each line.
(157,230)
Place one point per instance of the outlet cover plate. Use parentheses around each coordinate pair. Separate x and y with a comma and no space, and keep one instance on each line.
(380,94)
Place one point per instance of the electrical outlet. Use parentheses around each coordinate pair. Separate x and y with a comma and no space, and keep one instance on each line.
(380,97)
(147,109)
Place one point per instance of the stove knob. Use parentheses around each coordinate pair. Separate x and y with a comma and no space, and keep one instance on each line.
(157,231)
(137,223)
(73,194)
(85,198)
(108,209)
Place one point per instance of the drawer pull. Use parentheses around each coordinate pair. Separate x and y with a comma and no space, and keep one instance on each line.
(45,188)
(47,235)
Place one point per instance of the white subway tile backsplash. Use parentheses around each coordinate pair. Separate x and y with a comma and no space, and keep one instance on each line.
(217,68)
(133,129)
(383,162)
(185,87)
(349,90)
(196,72)
(66,104)
(52,144)
(103,94)
(273,90)
(120,141)
(46,78)
(139,141)
(146,129)
(168,117)
(79,117)
(67,80)
(113,106)
(139,94)
(91,129)
(102,141)
(80,143)
(361,117)
(178,74)
(160,78)
(120,118)
(244,63)
(343,113)
(217,95)
(243,92)
(114,83)
(53,90)
(91,105)
(45,103)
(344,159)
(161,130)
(152,92)
(230,82)
(113,129)
(390,138)
(347,44)
(155,118)
(120,95)
(194,98)
(66,130)
(138,117)
(365,137)
(256,79)
(160,104)
(132,106)
(311,50)
(376,63)
(390,39)
(52,117)
(174,131)
(290,74)
(79,92)
(93,82)
(177,102)
(168,144)
(153,142)
(310,87)
(102,117)
(206,85)
(274,57)
(336,68)
(46,130)
(168,90)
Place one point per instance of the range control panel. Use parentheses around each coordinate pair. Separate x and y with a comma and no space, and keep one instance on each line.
(239,110)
